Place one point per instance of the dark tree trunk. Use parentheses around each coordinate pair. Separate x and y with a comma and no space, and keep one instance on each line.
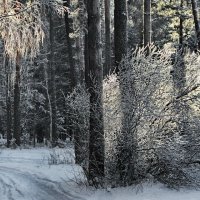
(147,22)
(8,101)
(196,21)
(81,156)
(8,92)
(181,28)
(120,33)
(77,75)
(52,84)
(69,30)
(95,87)
(82,20)
(17,129)
(107,65)
(72,77)
(86,56)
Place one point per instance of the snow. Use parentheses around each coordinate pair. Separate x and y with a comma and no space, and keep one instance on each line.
(26,174)
(145,192)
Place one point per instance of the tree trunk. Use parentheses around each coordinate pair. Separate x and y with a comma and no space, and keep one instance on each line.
(82,20)
(120,33)
(147,22)
(72,77)
(80,155)
(95,87)
(69,30)
(86,56)
(17,129)
(196,21)
(8,101)
(181,28)
(8,92)
(107,65)
(52,84)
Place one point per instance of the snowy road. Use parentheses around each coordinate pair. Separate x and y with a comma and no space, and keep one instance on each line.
(26,175)
(15,184)
(23,179)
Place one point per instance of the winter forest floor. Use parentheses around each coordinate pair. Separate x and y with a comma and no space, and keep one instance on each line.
(46,174)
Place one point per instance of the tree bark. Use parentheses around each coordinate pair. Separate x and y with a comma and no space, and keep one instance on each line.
(8,101)
(181,27)
(8,93)
(86,56)
(107,65)
(147,23)
(82,20)
(69,30)
(52,84)
(17,129)
(95,88)
(120,32)
(196,21)
(72,78)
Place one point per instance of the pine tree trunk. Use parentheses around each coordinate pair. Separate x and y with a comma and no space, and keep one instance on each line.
(82,22)
(196,21)
(147,22)
(8,93)
(86,56)
(107,65)
(95,87)
(72,74)
(52,84)
(17,129)
(69,30)
(181,28)
(80,155)
(8,101)
(120,33)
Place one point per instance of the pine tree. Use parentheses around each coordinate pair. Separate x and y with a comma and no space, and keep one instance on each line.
(95,86)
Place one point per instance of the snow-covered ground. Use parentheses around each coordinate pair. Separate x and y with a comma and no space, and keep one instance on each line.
(26,175)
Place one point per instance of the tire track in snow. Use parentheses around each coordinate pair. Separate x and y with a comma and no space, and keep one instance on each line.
(18,185)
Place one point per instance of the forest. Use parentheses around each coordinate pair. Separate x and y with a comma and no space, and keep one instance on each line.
(113,83)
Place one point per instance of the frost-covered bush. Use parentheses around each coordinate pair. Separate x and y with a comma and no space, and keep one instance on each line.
(60,156)
(22,26)
(77,108)
(142,124)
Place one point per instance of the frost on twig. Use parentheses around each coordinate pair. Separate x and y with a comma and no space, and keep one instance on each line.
(22,27)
